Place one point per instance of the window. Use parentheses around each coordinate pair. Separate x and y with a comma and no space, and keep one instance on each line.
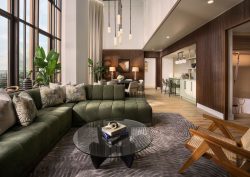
(24,25)
(4,55)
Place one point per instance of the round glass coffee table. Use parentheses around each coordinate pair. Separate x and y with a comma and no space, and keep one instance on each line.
(89,140)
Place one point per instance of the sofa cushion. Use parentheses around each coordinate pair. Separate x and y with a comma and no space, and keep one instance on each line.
(119,92)
(92,110)
(51,97)
(118,110)
(75,93)
(108,92)
(26,145)
(62,89)
(97,92)
(7,113)
(36,96)
(25,108)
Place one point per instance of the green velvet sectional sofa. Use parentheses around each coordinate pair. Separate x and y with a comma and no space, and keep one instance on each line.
(21,148)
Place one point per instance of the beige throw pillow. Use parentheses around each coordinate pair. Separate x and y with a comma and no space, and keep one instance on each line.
(61,88)
(7,112)
(75,93)
(51,97)
(25,108)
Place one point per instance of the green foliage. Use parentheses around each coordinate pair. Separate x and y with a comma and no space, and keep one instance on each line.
(46,66)
(97,69)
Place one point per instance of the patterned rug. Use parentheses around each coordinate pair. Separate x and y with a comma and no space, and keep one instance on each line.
(164,157)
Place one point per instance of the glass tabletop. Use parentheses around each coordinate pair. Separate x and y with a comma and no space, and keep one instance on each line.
(89,140)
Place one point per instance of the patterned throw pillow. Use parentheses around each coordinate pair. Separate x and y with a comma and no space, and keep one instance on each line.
(7,112)
(75,93)
(51,97)
(62,89)
(25,108)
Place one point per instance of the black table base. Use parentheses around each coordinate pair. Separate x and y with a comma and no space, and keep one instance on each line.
(128,160)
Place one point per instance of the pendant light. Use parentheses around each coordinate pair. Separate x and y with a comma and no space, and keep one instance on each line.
(130,31)
(115,38)
(118,17)
(120,12)
(109,27)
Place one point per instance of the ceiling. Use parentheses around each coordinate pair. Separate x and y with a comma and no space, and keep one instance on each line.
(187,16)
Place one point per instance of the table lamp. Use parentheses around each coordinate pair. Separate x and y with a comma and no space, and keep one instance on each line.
(135,69)
(112,70)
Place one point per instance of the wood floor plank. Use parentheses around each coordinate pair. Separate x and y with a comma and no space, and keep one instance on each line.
(161,102)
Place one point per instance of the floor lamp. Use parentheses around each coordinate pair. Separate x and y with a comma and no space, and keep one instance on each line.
(112,70)
(135,70)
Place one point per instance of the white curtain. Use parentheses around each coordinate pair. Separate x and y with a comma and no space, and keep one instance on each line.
(95,33)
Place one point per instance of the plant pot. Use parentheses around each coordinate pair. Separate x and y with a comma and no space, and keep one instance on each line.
(27,84)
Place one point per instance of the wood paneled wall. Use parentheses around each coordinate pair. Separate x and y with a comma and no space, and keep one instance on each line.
(212,62)
(156,55)
(136,59)
(241,42)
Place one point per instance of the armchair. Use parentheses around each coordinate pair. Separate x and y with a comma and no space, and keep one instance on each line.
(223,148)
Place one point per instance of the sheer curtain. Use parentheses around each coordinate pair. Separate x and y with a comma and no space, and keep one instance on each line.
(95,33)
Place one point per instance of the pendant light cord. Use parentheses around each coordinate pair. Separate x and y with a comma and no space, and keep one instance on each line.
(109,12)
(115,15)
(130,16)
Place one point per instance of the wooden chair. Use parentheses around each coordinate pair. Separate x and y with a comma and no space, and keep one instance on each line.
(164,86)
(223,148)
(132,88)
(141,87)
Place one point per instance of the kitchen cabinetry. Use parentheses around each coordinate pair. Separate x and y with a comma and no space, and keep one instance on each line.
(188,90)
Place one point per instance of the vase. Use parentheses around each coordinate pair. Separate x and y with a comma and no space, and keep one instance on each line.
(27,84)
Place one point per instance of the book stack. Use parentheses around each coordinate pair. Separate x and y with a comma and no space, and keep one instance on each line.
(114,134)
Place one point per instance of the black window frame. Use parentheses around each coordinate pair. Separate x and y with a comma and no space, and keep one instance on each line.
(13,32)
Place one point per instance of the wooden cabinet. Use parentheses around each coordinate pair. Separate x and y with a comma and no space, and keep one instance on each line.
(188,90)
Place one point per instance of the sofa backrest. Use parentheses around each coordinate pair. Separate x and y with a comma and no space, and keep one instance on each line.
(93,92)
(105,92)
(35,94)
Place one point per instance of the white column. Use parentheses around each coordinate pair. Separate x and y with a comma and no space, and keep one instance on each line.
(75,41)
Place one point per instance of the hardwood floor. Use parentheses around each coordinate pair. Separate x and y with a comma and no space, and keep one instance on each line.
(161,102)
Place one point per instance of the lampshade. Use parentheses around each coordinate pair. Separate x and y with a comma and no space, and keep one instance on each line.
(135,69)
(112,69)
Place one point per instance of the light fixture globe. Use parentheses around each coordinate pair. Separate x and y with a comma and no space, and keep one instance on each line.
(130,37)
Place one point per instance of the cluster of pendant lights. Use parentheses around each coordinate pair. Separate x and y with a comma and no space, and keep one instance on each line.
(118,22)
(181,59)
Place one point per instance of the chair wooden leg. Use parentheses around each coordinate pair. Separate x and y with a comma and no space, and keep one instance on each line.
(195,156)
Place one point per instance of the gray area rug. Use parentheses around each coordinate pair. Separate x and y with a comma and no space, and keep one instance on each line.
(163,158)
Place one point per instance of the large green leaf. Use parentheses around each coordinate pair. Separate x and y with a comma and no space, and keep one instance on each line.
(40,53)
(51,67)
(90,62)
(55,56)
(40,63)
(58,66)
(50,55)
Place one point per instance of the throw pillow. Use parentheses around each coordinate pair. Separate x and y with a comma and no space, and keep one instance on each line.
(75,93)
(62,89)
(7,113)
(51,97)
(25,108)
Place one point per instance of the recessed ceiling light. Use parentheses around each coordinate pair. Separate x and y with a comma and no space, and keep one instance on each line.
(210,1)
(167,37)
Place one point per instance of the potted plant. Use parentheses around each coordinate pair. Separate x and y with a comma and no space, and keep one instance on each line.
(46,66)
(97,70)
